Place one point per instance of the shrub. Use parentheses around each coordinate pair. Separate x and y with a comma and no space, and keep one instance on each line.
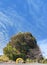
(28,60)
(45,61)
(4,58)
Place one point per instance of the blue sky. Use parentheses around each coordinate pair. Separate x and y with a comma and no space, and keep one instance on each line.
(23,16)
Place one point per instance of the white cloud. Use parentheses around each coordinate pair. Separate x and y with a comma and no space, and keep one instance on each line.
(1,51)
(43,46)
(6,19)
(34,6)
(19,21)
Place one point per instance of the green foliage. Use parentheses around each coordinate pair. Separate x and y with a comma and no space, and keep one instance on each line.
(10,51)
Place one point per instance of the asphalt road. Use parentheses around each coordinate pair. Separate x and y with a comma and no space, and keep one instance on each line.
(22,64)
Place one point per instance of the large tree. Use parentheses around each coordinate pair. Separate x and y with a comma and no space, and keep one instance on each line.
(21,45)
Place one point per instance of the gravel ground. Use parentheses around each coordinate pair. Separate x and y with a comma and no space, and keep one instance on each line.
(21,64)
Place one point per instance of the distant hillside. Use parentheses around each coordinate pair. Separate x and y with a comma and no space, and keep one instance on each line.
(23,45)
